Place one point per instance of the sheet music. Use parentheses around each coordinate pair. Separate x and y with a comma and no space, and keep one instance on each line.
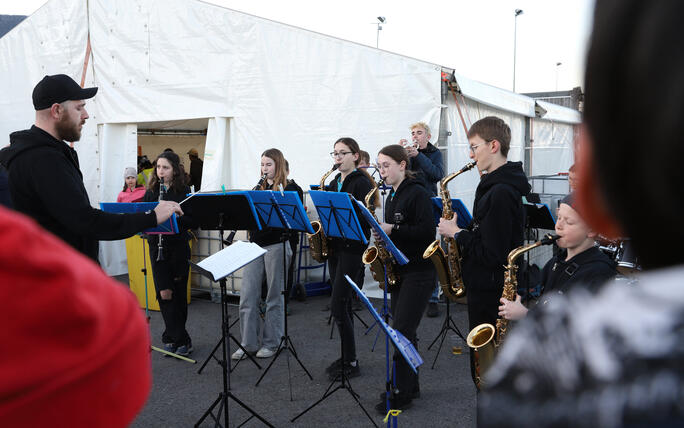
(231,258)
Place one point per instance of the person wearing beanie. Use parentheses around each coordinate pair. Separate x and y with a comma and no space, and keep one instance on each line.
(66,359)
(131,191)
(579,262)
(196,166)
(45,179)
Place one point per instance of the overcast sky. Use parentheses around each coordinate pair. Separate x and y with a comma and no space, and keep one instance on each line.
(473,37)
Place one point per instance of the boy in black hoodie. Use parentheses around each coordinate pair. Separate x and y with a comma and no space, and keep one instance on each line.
(498,219)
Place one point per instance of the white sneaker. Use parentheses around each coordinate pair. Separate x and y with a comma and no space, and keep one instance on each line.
(238,355)
(265,353)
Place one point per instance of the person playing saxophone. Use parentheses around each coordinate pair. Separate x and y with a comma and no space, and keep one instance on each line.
(498,220)
(579,261)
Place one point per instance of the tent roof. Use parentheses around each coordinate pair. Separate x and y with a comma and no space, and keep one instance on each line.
(556,113)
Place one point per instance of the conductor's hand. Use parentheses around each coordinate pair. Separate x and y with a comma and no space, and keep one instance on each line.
(448,228)
(165,209)
(512,310)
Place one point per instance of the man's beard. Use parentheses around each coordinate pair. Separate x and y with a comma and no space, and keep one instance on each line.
(68,131)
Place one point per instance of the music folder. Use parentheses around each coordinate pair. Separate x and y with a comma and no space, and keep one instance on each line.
(233,257)
(463,219)
(405,347)
(169,227)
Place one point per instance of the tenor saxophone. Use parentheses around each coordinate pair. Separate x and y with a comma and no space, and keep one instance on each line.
(448,265)
(485,339)
(377,257)
(318,242)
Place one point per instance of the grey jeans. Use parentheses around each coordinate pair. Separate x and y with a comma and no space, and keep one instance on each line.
(271,265)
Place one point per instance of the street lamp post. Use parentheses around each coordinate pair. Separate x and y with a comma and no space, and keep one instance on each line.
(381,20)
(558,64)
(515,44)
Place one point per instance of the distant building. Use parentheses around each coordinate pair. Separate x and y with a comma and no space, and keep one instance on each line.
(573,99)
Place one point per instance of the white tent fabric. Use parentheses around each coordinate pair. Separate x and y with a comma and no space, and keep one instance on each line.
(257,83)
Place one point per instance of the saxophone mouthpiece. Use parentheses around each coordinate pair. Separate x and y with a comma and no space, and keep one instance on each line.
(469,166)
(335,166)
(549,239)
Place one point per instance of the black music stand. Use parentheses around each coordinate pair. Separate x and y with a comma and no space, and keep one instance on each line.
(537,216)
(338,219)
(463,219)
(223,211)
(282,210)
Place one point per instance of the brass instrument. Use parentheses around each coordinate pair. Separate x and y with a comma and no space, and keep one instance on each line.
(377,256)
(318,242)
(448,265)
(485,339)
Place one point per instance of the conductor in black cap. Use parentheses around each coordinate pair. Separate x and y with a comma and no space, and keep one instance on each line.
(45,179)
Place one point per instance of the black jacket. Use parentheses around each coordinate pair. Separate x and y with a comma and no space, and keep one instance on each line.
(196,166)
(185,222)
(590,268)
(496,229)
(411,209)
(357,185)
(269,235)
(47,185)
(429,168)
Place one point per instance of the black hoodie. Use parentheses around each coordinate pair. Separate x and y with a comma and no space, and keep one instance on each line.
(496,229)
(357,184)
(47,185)
(590,268)
(411,210)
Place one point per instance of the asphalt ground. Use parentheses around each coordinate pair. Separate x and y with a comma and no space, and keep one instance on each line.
(180,395)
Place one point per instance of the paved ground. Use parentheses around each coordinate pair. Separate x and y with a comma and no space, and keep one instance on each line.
(180,395)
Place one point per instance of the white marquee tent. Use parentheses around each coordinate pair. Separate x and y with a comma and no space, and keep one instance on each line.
(252,84)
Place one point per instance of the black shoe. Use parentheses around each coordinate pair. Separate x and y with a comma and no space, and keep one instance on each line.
(334,366)
(349,371)
(184,350)
(397,402)
(415,394)
(433,310)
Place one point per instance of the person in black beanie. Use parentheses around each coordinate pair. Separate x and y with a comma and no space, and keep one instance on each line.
(579,263)
(409,224)
(46,183)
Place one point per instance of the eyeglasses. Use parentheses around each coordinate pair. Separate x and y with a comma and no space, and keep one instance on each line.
(472,148)
(338,154)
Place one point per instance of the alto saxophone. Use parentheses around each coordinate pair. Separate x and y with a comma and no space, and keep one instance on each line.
(485,339)
(318,242)
(377,256)
(448,265)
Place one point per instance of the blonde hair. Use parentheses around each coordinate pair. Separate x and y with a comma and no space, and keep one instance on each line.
(421,125)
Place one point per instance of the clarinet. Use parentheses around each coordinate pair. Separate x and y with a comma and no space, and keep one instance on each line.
(160,245)
(260,184)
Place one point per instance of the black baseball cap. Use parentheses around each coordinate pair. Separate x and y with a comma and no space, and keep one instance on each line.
(57,89)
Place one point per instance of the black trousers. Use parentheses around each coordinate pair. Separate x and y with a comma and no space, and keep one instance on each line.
(409,301)
(343,263)
(172,274)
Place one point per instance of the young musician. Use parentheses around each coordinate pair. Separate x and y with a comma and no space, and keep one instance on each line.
(345,256)
(410,225)
(498,219)
(615,358)
(131,191)
(171,269)
(271,266)
(579,263)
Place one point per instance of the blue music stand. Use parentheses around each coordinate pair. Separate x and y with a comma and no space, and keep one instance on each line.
(282,210)
(338,219)
(463,215)
(169,227)
(401,259)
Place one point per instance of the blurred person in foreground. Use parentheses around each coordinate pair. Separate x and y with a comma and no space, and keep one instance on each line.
(614,359)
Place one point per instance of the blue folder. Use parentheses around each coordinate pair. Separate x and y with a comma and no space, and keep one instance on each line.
(405,347)
(337,215)
(282,210)
(464,218)
(169,227)
(389,245)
